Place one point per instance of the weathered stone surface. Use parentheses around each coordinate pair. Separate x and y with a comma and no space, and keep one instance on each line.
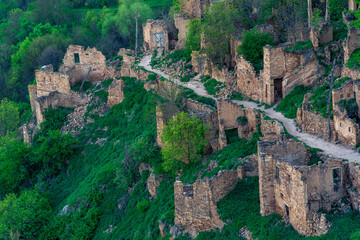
(116,94)
(322,34)
(195,205)
(32,95)
(153,182)
(181,23)
(271,129)
(145,167)
(47,82)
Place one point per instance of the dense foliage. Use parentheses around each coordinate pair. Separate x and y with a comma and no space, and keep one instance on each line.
(291,102)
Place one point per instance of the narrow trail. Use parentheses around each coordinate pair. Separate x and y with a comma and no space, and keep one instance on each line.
(332,149)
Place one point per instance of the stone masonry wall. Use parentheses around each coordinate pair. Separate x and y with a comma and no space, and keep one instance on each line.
(116,94)
(351,43)
(32,95)
(181,23)
(271,130)
(321,35)
(195,205)
(314,123)
(48,82)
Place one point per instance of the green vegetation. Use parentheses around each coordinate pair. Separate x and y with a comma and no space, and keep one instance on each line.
(291,102)
(351,107)
(300,46)
(213,87)
(252,47)
(193,35)
(107,83)
(189,93)
(318,102)
(9,117)
(354,60)
(188,77)
(237,96)
(315,159)
(184,141)
(103,95)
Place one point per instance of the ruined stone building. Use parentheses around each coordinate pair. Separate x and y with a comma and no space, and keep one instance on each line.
(195,204)
(291,188)
(80,63)
(155,35)
(282,72)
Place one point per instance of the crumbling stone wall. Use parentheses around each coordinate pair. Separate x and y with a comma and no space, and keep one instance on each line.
(352,5)
(155,35)
(152,184)
(271,129)
(32,95)
(195,205)
(48,81)
(116,94)
(228,114)
(249,168)
(181,23)
(56,99)
(291,188)
(248,81)
(78,61)
(351,43)
(321,35)
(312,122)
(288,70)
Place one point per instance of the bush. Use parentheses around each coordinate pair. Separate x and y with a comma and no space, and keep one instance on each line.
(54,118)
(252,47)
(318,102)
(107,83)
(143,205)
(213,87)
(193,35)
(354,60)
(102,95)
(291,102)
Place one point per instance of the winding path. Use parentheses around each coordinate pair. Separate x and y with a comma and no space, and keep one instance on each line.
(332,149)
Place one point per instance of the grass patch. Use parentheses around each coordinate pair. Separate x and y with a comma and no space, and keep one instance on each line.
(354,60)
(291,102)
(318,102)
(237,96)
(189,93)
(107,83)
(300,46)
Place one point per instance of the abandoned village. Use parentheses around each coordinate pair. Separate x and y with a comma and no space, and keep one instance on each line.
(295,182)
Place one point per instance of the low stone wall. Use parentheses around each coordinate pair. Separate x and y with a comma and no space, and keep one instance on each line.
(195,205)
(271,129)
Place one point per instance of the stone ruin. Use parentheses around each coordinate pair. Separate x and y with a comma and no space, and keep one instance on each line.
(350,44)
(282,72)
(227,116)
(80,64)
(195,204)
(322,34)
(233,116)
(291,188)
(343,128)
(155,35)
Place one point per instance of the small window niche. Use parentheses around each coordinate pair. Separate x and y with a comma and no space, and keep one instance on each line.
(277,174)
(76,58)
(336,174)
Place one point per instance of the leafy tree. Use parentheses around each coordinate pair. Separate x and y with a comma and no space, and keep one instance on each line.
(13,158)
(252,47)
(9,117)
(193,35)
(52,152)
(23,217)
(123,21)
(218,27)
(184,141)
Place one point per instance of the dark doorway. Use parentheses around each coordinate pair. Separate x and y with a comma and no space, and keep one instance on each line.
(278,95)
(287,213)
(336,178)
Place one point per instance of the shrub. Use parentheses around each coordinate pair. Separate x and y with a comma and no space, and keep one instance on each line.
(354,60)
(143,205)
(291,102)
(213,87)
(193,35)
(237,96)
(152,77)
(102,95)
(242,120)
(54,118)
(252,47)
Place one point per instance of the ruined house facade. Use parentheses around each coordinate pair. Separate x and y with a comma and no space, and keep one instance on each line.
(282,72)
(79,63)
(155,35)
(291,188)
